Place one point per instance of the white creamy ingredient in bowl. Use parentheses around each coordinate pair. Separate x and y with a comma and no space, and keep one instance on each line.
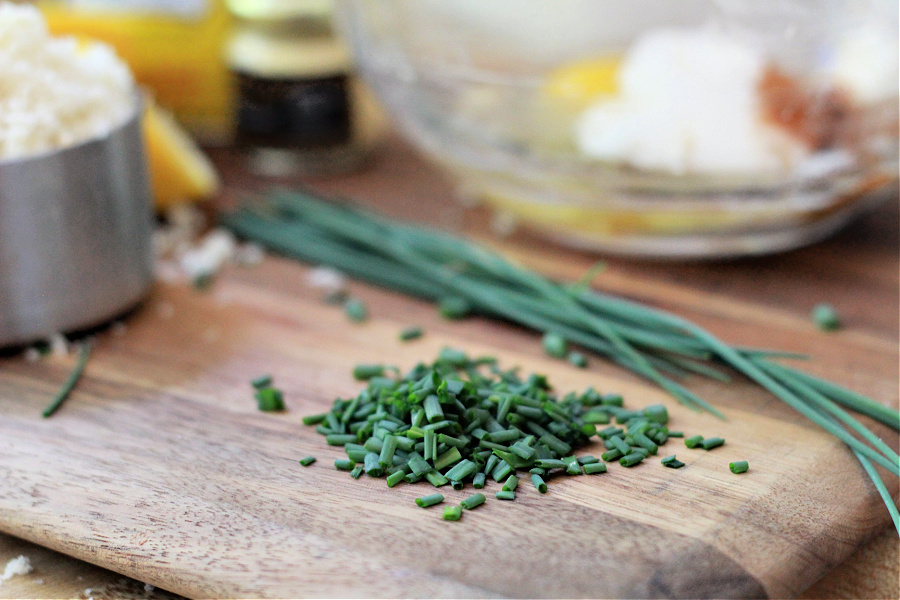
(688,102)
(55,92)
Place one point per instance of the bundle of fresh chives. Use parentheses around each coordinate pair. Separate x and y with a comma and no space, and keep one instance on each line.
(658,346)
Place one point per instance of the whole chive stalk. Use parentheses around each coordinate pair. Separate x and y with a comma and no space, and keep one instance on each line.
(473,501)
(430,500)
(672,462)
(741,466)
(411,333)
(307,460)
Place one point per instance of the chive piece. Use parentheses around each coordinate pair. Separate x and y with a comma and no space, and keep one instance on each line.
(550,463)
(574,468)
(355,452)
(340,439)
(738,467)
(269,399)
(611,455)
(452,513)
(478,481)
(473,501)
(433,410)
(657,413)
(365,372)
(342,464)
(388,448)
(308,460)
(501,470)
(617,443)
(710,443)
(612,400)
(587,460)
(454,307)
(629,460)
(693,441)
(503,495)
(430,500)
(672,462)
(512,482)
(825,317)
(357,471)
(355,310)
(644,442)
(373,469)
(395,478)
(411,333)
(435,478)
(596,417)
(461,470)
(430,442)
(261,381)
(448,458)
(538,482)
(555,444)
(313,419)
(554,344)
(578,359)
(675,434)
(594,468)
(506,435)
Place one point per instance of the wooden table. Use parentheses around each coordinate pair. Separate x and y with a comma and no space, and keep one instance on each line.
(857,271)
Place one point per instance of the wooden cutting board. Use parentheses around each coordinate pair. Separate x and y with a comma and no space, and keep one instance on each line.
(161,468)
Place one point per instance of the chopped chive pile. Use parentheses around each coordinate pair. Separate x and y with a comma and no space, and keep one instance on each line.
(741,466)
(826,317)
(460,421)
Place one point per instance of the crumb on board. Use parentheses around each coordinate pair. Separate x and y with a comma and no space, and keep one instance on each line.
(21,565)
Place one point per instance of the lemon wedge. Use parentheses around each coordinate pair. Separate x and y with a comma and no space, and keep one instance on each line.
(179,170)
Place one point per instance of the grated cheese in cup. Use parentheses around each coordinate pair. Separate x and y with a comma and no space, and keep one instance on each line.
(55,92)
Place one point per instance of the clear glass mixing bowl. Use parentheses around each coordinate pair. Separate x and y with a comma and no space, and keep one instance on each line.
(698,128)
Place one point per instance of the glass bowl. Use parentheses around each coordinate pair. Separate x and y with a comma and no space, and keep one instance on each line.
(702,128)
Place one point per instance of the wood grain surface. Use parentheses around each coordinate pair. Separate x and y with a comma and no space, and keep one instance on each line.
(160,467)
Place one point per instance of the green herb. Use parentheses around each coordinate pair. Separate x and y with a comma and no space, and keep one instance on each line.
(452,513)
(430,500)
(629,460)
(356,310)
(83,354)
(454,307)
(261,381)
(512,482)
(269,399)
(710,443)
(554,344)
(693,441)
(478,481)
(594,468)
(578,359)
(505,495)
(672,462)
(357,471)
(825,317)
(342,464)
(366,372)
(306,461)
(395,478)
(740,466)
(539,483)
(314,419)
(411,333)
(473,501)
